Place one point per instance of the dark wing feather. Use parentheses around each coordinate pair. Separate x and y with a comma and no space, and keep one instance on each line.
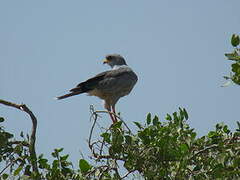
(89,84)
(85,86)
(108,82)
(68,95)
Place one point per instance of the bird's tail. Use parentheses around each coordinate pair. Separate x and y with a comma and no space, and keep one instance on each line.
(68,95)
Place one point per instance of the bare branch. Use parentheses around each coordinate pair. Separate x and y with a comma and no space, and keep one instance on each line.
(129,172)
(7,166)
(115,116)
(109,112)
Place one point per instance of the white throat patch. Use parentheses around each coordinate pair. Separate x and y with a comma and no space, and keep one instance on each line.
(118,66)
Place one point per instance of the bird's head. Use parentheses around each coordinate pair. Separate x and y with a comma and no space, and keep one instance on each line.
(114,59)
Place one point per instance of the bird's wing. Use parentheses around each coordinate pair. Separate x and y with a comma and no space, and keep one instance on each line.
(118,80)
(89,84)
(85,86)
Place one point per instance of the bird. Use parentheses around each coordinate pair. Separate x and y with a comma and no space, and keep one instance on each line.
(109,85)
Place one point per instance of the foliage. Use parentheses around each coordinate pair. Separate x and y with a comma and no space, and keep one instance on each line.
(167,149)
(170,150)
(14,153)
(235,57)
(16,156)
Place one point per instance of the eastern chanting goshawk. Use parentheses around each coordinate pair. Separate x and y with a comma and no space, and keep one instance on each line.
(109,85)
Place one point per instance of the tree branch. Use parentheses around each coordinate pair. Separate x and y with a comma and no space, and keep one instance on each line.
(24,143)
(204,150)
(96,112)
(32,150)
(129,172)
(8,165)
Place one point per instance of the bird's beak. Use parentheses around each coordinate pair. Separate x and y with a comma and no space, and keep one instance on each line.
(105,61)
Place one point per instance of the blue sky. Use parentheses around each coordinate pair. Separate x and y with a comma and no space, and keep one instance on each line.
(176,48)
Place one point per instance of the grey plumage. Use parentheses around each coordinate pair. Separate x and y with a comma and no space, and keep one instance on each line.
(109,85)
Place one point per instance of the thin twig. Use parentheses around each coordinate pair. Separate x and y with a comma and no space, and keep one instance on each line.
(91,131)
(117,117)
(109,113)
(97,147)
(117,173)
(95,169)
(129,172)
(94,116)
(24,143)
(102,173)
(7,166)
(32,150)
(129,130)
(204,150)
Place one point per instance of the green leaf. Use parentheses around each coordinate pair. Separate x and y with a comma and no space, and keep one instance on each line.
(43,163)
(144,136)
(18,149)
(238,123)
(55,164)
(27,170)
(8,135)
(225,129)
(117,138)
(197,168)
(212,134)
(219,126)
(128,139)
(56,152)
(155,120)
(235,40)
(1,119)
(106,137)
(64,158)
(21,134)
(5,176)
(117,125)
(149,118)
(184,148)
(17,171)
(185,113)
(233,56)
(84,166)
(175,116)
(59,150)
(193,135)
(138,125)
(236,68)
(168,117)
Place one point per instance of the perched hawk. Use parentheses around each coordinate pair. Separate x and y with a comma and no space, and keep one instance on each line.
(109,85)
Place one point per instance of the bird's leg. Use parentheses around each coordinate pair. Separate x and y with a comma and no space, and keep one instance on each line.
(111,115)
(109,109)
(114,111)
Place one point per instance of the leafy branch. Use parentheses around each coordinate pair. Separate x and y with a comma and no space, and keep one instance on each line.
(32,141)
(163,149)
(234,56)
